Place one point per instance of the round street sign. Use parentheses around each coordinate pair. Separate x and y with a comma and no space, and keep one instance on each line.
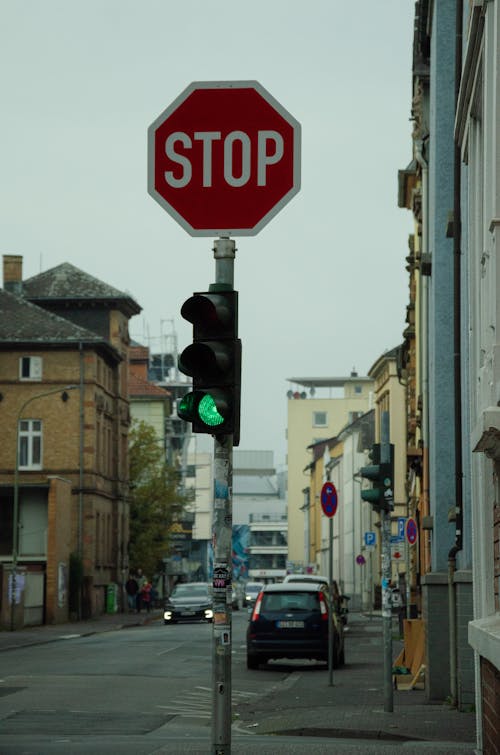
(360,559)
(329,500)
(411,531)
(224,158)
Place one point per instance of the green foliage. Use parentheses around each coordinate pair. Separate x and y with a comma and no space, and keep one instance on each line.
(155,499)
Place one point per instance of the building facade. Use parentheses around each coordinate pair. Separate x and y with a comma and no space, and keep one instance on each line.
(312,418)
(478,218)
(450,188)
(63,463)
(260,528)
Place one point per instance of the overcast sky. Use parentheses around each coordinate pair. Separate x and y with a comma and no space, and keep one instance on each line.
(323,286)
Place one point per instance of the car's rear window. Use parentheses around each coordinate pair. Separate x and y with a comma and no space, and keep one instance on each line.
(290,601)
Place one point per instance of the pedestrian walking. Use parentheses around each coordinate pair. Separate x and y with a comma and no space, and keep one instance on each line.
(146,594)
(131,588)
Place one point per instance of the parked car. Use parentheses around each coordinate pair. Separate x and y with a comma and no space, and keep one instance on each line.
(190,601)
(340,602)
(252,589)
(290,620)
(320,578)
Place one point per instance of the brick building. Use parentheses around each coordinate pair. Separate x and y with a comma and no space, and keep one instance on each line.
(65,419)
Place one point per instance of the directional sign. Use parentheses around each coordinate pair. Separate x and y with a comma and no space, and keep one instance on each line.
(411,531)
(401,527)
(224,158)
(329,499)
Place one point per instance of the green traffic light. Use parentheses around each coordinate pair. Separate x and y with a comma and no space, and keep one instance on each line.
(371,496)
(208,412)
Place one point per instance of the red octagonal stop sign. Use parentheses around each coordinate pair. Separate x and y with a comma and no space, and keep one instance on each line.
(224,158)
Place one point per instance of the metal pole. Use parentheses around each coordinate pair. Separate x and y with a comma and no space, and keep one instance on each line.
(330,615)
(385,520)
(224,253)
(370,585)
(408,578)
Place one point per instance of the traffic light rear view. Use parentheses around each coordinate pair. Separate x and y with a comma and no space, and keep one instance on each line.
(213,361)
(381,474)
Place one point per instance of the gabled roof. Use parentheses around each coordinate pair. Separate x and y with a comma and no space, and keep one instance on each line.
(22,322)
(139,388)
(67,283)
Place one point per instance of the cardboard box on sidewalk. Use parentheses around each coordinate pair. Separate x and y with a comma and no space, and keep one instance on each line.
(411,657)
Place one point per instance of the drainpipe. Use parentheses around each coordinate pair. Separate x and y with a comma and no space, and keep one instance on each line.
(424,313)
(457,236)
(81,460)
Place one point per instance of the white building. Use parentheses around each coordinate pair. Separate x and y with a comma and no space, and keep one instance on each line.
(259,515)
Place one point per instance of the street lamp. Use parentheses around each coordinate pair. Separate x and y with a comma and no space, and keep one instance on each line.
(15,513)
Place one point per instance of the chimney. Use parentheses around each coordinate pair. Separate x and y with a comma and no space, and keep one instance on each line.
(13,273)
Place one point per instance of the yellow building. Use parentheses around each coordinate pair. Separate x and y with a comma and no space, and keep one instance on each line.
(312,419)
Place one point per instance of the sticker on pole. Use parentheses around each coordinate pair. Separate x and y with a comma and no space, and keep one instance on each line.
(329,500)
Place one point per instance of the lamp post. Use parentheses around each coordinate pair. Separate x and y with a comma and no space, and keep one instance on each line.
(15,513)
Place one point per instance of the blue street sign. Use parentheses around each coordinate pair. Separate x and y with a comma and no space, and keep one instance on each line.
(401,527)
(370,538)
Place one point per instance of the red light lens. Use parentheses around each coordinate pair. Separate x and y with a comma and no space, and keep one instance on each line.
(323,606)
(256,609)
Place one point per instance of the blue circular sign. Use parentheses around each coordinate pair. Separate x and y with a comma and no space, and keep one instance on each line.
(329,500)
(411,531)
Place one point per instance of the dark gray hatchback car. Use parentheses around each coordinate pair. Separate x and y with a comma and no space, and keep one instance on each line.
(190,601)
(290,620)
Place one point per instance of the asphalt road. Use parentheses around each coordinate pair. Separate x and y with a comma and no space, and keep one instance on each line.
(124,691)
(147,690)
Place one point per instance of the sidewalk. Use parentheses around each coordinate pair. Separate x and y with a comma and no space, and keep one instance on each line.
(48,633)
(353,708)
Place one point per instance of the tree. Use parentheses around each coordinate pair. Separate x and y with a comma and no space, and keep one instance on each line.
(156,499)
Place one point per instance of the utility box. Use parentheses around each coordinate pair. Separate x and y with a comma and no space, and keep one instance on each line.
(112,598)
(13,591)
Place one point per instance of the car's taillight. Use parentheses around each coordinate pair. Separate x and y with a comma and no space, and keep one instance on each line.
(256,608)
(323,607)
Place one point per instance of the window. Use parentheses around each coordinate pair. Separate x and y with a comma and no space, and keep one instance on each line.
(358,389)
(30,444)
(320,419)
(30,368)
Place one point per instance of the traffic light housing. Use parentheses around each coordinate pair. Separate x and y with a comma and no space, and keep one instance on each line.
(381,475)
(213,361)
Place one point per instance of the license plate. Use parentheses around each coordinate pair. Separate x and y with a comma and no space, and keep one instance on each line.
(290,624)
(187,613)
